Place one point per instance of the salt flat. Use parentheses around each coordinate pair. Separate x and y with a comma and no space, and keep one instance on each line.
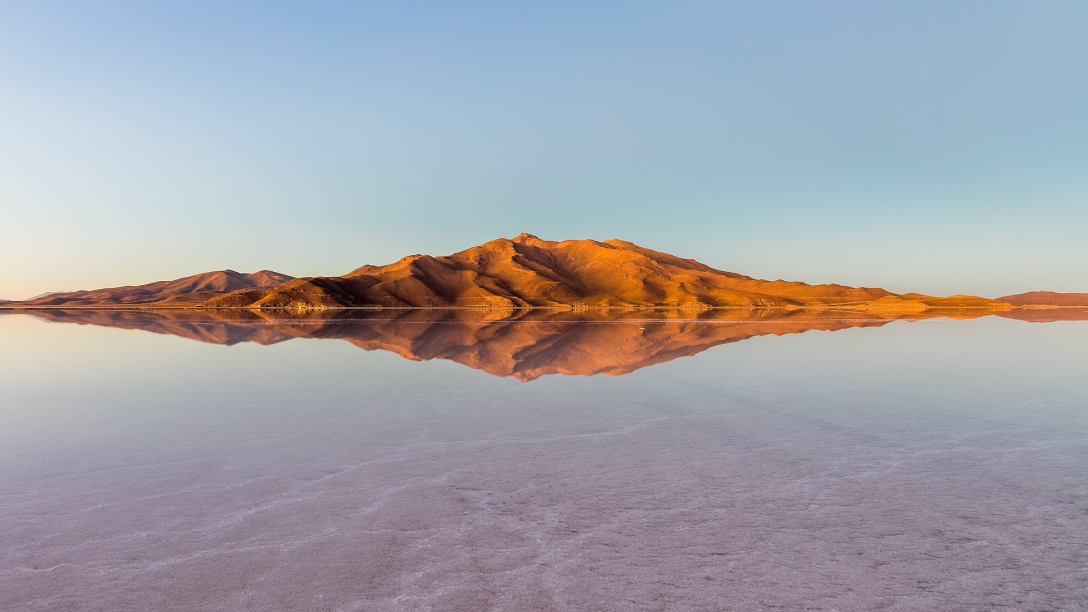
(912,466)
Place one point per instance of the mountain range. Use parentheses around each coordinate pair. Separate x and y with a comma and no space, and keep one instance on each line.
(522,272)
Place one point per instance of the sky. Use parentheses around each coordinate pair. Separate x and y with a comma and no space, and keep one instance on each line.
(939,147)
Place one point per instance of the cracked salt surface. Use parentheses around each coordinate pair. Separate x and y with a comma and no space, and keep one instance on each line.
(930,466)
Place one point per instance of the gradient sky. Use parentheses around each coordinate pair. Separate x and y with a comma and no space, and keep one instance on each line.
(939,147)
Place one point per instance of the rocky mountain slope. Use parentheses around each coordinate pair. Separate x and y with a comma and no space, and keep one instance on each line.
(191,290)
(521,272)
(529,272)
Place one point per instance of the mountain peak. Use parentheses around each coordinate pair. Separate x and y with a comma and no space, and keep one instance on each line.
(573,274)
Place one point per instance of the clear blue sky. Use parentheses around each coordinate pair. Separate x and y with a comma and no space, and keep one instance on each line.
(931,146)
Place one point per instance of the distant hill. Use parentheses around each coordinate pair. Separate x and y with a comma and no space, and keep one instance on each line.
(526,271)
(47,293)
(191,290)
(1046,298)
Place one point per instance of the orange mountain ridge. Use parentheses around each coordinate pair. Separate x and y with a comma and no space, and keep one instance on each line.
(523,272)
(191,290)
(529,272)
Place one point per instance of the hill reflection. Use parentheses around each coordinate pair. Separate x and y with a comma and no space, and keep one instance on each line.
(524,344)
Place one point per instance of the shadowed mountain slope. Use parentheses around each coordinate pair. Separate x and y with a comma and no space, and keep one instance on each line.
(191,290)
(526,271)
(1046,298)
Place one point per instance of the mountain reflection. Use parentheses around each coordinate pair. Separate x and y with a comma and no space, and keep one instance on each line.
(524,344)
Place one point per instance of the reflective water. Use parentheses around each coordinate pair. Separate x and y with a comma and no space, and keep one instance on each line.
(629,461)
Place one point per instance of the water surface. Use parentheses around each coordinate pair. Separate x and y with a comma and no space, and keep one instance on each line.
(475,461)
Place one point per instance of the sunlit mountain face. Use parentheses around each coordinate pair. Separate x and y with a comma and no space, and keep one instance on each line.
(521,272)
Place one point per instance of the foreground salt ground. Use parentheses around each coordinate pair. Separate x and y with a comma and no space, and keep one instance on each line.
(935,465)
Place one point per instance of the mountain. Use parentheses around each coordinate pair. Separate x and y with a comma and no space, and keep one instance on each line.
(522,344)
(1046,298)
(47,293)
(529,272)
(511,273)
(191,290)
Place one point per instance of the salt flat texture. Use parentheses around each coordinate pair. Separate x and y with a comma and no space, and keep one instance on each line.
(917,466)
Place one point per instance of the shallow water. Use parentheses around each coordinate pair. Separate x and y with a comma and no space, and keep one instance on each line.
(542,463)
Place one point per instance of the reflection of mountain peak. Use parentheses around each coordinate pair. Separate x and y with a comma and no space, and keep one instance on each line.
(524,344)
